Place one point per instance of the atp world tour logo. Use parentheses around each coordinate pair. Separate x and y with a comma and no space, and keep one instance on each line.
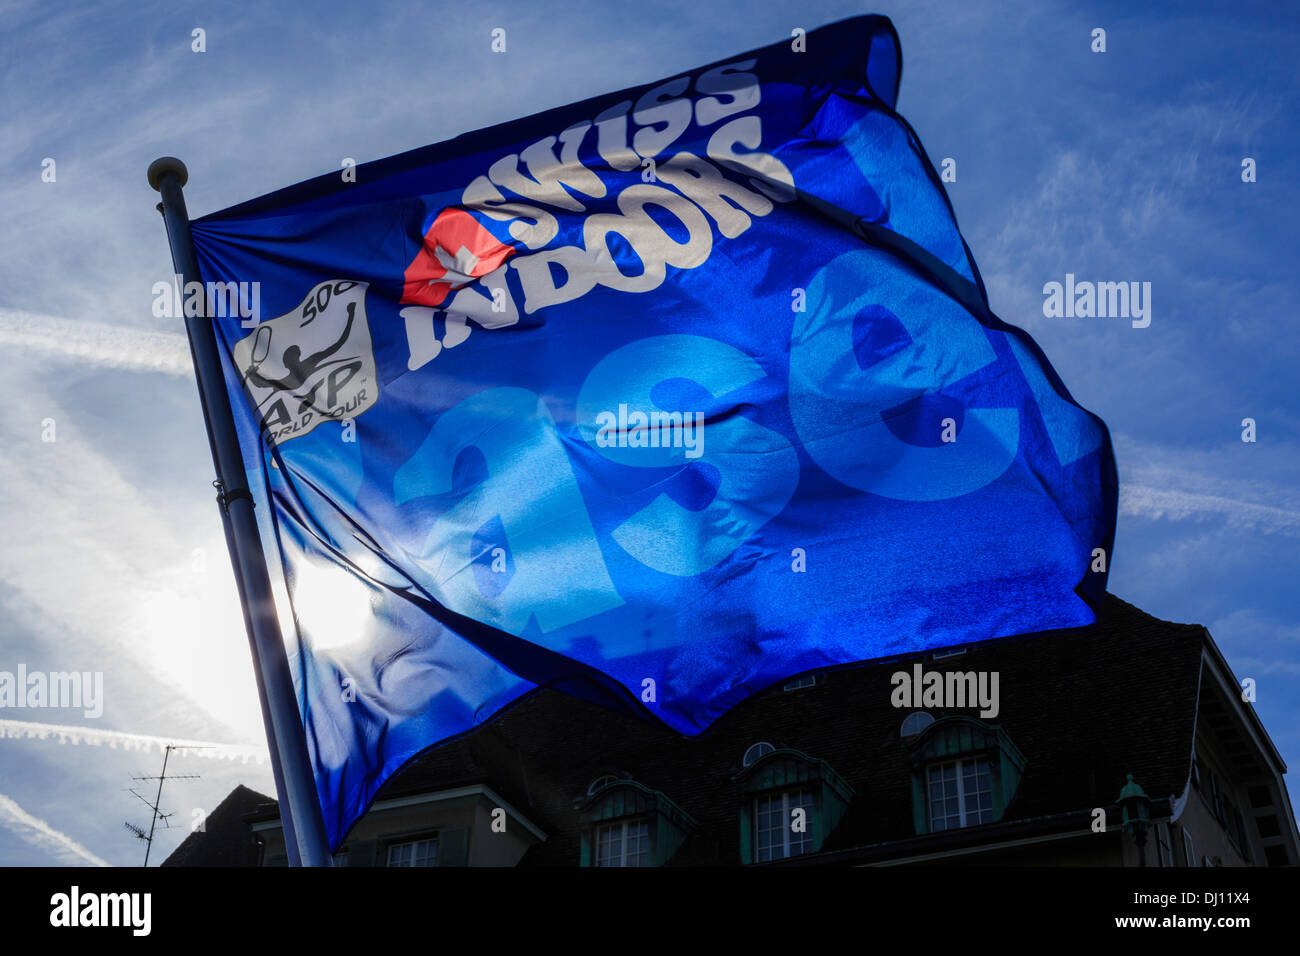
(313,364)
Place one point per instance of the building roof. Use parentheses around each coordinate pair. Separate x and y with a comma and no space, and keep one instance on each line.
(225,839)
(1085,707)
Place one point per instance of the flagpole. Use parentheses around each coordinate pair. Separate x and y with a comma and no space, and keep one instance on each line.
(286,817)
(300,812)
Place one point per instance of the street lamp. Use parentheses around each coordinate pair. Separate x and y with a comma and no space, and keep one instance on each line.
(1137,815)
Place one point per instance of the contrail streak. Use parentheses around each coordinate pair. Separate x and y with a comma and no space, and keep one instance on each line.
(122,740)
(1154,502)
(41,834)
(96,343)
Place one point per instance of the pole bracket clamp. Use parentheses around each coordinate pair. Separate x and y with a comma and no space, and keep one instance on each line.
(224,498)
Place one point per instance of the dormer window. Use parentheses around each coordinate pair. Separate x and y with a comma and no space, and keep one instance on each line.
(960,793)
(626,843)
(755,753)
(600,783)
(790,803)
(964,773)
(776,835)
(624,823)
(914,723)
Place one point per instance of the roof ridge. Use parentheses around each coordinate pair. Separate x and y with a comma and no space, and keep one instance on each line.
(1116,608)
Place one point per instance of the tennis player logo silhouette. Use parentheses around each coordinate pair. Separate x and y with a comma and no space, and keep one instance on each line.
(313,364)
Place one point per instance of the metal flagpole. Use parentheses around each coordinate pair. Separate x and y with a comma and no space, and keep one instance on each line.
(286,816)
(299,807)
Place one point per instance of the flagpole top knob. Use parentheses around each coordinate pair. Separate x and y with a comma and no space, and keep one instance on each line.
(167,164)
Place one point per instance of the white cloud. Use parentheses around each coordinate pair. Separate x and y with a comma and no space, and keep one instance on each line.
(105,578)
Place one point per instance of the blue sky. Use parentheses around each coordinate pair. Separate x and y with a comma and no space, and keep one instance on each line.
(1117,166)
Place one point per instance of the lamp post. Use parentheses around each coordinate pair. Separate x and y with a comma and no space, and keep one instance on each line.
(1137,815)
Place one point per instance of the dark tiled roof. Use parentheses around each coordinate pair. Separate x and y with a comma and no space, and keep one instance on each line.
(1084,707)
(226,840)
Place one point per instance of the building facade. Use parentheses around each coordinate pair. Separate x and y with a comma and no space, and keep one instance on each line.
(1007,752)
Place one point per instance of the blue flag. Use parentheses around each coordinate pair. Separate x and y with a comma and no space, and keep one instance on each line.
(658,398)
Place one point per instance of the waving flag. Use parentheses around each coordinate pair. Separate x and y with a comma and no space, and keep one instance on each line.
(658,398)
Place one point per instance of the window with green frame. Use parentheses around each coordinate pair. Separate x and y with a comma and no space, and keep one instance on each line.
(790,804)
(964,773)
(623,843)
(782,824)
(623,823)
(960,792)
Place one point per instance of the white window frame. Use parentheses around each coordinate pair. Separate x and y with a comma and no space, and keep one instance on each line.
(415,845)
(799,683)
(1164,844)
(788,836)
(909,727)
(960,763)
(622,827)
(755,752)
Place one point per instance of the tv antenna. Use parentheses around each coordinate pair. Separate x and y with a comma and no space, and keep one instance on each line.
(158,814)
